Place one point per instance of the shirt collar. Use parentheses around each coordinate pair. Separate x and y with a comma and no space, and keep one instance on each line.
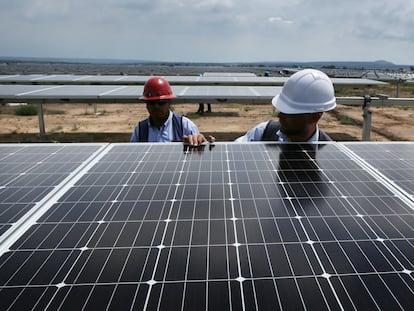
(283,138)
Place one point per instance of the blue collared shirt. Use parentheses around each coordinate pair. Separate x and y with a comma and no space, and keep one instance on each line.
(256,133)
(165,133)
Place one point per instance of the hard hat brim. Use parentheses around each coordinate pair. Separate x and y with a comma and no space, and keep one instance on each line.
(287,108)
(281,106)
(149,98)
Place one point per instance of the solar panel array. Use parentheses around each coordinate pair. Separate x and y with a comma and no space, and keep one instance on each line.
(128,93)
(249,226)
(207,79)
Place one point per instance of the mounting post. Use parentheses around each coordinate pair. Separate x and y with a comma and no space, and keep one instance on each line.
(367,114)
(42,131)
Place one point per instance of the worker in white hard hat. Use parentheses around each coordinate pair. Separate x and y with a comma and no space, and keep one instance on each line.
(163,125)
(303,99)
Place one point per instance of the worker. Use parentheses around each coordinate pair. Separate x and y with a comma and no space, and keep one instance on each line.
(163,125)
(201,108)
(303,99)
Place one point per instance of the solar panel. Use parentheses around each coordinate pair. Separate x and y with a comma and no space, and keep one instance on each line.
(28,173)
(249,226)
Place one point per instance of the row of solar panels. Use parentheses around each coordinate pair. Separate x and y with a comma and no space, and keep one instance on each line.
(249,226)
(206,79)
(130,94)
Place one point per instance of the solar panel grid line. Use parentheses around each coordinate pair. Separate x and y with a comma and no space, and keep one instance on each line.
(79,78)
(29,218)
(44,77)
(113,90)
(39,90)
(254,91)
(183,91)
(120,78)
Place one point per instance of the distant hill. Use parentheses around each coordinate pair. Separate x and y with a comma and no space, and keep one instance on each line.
(379,64)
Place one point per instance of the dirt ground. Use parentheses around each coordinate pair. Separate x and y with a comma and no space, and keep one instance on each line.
(344,123)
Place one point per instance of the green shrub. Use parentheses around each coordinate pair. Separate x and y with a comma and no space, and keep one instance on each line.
(26,110)
(53,112)
(346,121)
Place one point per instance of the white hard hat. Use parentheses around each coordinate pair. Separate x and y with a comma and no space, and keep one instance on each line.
(306,91)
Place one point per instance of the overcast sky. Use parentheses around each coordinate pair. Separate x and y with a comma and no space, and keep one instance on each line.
(210,30)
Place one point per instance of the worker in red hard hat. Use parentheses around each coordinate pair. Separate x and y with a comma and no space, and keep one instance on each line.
(303,99)
(163,125)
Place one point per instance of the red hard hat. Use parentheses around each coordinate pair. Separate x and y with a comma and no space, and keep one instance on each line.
(157,88)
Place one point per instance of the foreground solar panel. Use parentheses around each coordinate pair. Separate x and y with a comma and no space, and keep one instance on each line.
(238,226)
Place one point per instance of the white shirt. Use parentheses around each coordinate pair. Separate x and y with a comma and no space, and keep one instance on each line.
(165,133)
(256,133)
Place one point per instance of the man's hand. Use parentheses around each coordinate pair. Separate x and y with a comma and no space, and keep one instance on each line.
(198,139)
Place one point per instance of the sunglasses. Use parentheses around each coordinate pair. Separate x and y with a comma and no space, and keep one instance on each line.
(157,102)
(298,115)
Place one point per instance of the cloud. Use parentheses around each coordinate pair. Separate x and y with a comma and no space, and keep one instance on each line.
(279,20)
(204,30)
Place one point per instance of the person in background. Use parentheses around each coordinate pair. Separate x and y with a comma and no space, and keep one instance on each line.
(201,108)
(303,99)
(163,125)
